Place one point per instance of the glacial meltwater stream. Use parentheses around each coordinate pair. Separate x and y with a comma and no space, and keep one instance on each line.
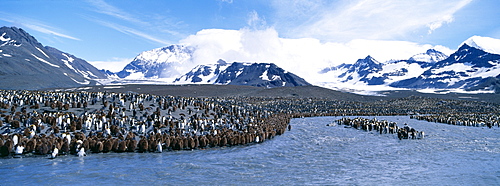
(311,153)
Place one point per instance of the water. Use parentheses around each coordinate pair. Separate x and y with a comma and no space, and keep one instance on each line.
(312,153)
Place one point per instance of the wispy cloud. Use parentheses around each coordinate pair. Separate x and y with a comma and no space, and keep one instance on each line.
(34,25)
(363,19)
(255,21)
(132,32)
(446,16)
(155,24)
(105,8)
(48,30)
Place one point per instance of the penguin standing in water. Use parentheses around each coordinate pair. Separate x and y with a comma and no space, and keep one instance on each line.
(54,153)
(18,151)
(159,148)
(81,152)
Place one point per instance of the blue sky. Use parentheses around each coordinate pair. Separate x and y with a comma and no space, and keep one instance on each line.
(107,31)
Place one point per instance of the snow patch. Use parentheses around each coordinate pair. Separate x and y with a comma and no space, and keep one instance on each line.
(264,75)
(42,52)
(85,88)
(67,61)
(446,91)
(8,41)
(135,75)
(457,67)
(2,38)
(85,82)
(43,60)
(112,87)
(275,77)
(397,71)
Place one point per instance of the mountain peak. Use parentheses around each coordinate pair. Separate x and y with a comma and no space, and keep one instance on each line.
(430,56)
(221,62)
(172,53)
(165,62)
(487,44)
(367,61)
(17,36)
(431,51)
(238,73)
(370,58)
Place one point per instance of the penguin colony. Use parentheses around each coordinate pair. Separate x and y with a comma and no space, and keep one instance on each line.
(52,123)
(55,123)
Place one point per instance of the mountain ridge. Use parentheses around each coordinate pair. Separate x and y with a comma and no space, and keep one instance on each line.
(237,73)
(465,69)
(27,64)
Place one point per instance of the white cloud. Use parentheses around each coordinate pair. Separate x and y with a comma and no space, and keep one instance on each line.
(304,57)
(113,64)
(342,21)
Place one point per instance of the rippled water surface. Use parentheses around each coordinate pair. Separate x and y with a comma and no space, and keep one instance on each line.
(312,153)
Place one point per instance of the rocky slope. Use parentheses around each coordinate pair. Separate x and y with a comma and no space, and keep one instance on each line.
(27,64)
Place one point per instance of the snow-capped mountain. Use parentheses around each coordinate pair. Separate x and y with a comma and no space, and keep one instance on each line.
(469,68)
(203,74)
(430,56)
(486,44)
(252,74)
(166,62)
(369,71)
(27,64)
(171,61)
(465,69)
(77,65)
(352,73)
